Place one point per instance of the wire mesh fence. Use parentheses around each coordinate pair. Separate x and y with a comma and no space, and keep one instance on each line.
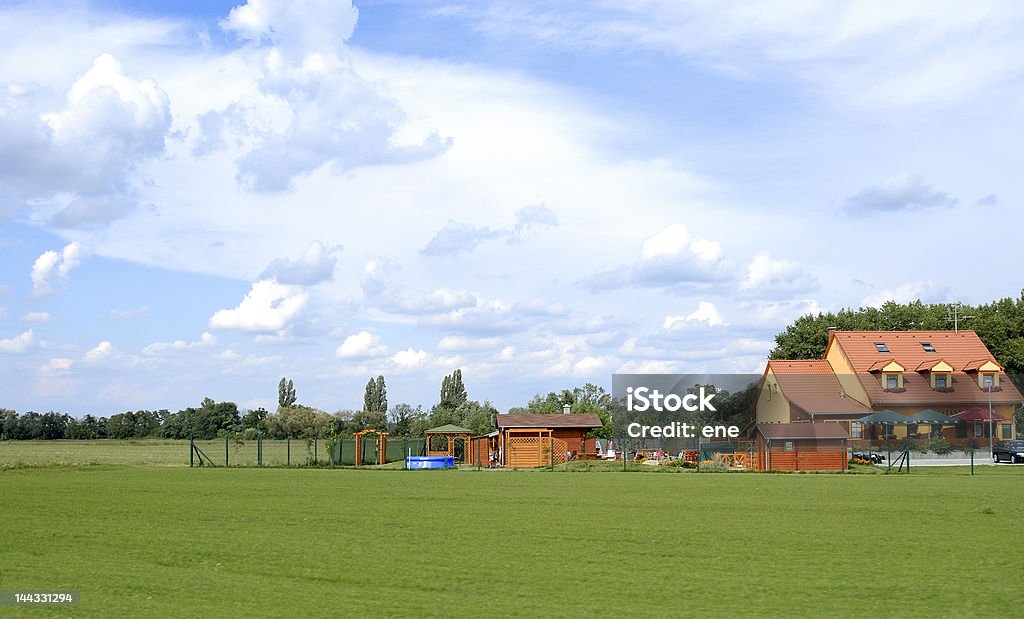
(316,451)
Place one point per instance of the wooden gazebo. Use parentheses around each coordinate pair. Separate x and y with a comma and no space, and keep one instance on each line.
(382,438)
(453,434)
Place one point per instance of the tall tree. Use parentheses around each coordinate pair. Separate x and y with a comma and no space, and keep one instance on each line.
(285,393)
(382,396)
(453,391)
(370,398)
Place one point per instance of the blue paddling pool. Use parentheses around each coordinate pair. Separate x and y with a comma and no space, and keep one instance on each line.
(430,462)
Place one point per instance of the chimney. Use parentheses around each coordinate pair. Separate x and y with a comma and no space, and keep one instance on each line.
(566,409)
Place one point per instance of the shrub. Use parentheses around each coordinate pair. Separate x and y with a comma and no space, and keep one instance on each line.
(710,466)
(939,445)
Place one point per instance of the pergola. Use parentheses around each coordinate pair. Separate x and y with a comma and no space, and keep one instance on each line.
(452,434)
(381,453)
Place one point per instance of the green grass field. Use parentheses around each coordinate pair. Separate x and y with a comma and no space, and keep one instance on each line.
(174,541)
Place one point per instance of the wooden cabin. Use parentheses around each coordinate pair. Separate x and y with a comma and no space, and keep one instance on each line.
(527,441)
(799,447)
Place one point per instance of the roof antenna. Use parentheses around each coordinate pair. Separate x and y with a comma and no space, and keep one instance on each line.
(953,313)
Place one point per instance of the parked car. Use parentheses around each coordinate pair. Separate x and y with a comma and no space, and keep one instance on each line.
(877,458)
(1010,451)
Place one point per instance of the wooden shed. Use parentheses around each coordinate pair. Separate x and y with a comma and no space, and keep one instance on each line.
(800,446)
(526,441)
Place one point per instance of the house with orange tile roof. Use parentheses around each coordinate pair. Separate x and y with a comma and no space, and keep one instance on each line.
(951,372)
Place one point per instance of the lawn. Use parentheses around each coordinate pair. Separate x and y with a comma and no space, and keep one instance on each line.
(150,452)
(174,541)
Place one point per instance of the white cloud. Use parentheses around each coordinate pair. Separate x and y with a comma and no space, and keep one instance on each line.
(315,266)
(52,266)
(649,366)
(924,291)
(103,351)
(459,343)
(384,291)
(268,306)
(706,314)
(311,108)
(360,345)
(228,355)
(56,367)
(457,237)
(41,317)
(301,26)
(592,366)
(671,257)
(768,275)
(776,314)
(18,344)
(130,314)
(206,340)
(88,146)
(906,192)
(411,358)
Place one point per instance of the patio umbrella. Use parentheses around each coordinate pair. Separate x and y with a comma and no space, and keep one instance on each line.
(977,414)
(886,417)
(928,416)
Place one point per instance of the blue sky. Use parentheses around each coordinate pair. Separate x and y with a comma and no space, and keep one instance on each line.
(198,200)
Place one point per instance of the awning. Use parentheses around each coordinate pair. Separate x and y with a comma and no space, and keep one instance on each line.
(886,417)
(978,414)
(928,416)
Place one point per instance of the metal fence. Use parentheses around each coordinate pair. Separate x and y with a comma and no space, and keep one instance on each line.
(230,451)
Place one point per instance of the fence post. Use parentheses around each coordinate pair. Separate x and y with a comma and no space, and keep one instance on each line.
(191,450)
(259,449)
(316,439)
(225,450)
(289,451)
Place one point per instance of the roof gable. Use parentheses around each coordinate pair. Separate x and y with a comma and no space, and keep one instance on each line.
(813,387)
(983,365)
(937,365)
(886,365)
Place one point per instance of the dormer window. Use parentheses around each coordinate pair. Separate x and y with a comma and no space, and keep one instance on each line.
(881,347)
(892,381)
(927,347)
(989,381)
(941,381)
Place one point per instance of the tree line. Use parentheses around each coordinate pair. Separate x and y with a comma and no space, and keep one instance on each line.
(212,419)
(999,324)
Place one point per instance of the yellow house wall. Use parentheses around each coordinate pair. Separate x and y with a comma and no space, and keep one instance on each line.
(844,372)
(771,408)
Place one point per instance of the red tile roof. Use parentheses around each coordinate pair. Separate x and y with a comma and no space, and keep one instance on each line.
(556,420)
(956,348)
(812,386)
(791,431)
(961,350)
